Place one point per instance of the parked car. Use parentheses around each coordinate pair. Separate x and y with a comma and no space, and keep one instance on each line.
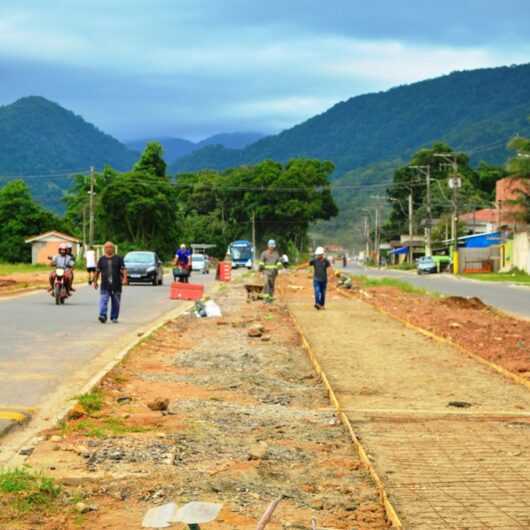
(432,264)
(426,265)
(200,263)
(144,266)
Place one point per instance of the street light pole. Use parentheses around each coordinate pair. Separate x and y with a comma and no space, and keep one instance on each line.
(91,207)
(455,183)
(426,172)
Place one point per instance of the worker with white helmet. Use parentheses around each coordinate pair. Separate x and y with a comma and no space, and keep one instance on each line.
(270,262)
(320,266)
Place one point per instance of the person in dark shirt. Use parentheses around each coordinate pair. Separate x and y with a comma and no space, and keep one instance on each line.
(320,266)
(111,269)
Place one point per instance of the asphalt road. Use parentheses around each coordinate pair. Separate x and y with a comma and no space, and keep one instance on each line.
(42,344)
(508,297)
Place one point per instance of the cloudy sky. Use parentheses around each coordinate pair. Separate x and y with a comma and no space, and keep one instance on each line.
(191,68)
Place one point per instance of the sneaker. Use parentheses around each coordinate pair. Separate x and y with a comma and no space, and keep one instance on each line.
(317,306)
(102,319)
(114,320)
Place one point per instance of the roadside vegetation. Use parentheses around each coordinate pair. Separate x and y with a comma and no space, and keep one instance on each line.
(367,282)
(21,268)
(23,490)
(91,401)
(514,276)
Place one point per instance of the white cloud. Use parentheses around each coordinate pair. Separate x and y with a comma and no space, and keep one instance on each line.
(173,67)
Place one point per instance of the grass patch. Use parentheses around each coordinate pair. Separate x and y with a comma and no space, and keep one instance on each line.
(108,427)
(91,401)
(14,268)
(22,490)
(405,266)
(403,286)
(511,277)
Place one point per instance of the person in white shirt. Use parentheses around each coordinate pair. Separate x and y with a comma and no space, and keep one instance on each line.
(90,258)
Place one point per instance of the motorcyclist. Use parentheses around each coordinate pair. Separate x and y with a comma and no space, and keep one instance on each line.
(63,261)
(183,262)
(69,251)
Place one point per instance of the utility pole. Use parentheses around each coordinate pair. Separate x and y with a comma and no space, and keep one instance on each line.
(377,233)
(367,235)
(426,172)
(91,194)
(455,183)
(376,237)
(411,230)
(254,233)
(84,229)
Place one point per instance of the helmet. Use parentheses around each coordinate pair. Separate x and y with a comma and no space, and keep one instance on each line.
(62,247)
(271,243)
(319,251)
(183,245)
(69,245)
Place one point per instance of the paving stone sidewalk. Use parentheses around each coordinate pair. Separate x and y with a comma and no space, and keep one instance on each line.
(449,437)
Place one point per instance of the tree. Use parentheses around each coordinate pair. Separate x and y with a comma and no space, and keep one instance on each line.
(20,218)
(282,198)
(77,201)
(519,167)
(407,180)
(140,209)
(152,160)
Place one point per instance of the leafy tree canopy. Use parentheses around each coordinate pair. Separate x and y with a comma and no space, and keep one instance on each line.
(152,160)
(20,218)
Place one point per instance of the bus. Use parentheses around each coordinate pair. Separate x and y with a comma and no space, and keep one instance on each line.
(241,254)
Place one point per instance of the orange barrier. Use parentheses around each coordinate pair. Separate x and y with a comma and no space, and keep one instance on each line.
(186,291)
(224,271)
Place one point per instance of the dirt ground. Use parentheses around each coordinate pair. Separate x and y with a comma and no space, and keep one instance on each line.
(497,337)
(447,435)
(20,282)
(246,422)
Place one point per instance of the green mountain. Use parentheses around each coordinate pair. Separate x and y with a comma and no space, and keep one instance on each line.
(178,147)
(366,136)
(39,140)
(173,147)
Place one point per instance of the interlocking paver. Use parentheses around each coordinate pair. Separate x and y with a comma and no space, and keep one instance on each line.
(442,468)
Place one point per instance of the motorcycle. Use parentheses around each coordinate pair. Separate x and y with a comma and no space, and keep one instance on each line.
(60,292)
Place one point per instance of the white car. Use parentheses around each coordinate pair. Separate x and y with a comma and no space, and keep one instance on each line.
(200,263)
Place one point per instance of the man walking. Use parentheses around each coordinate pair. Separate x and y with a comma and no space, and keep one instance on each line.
(270,262)
(90,258)
(113,274)
(320,266)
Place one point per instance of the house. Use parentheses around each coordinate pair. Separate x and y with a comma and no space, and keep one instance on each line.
(506,212)
(480,221)
(47,244)
(479,252)
(507,191)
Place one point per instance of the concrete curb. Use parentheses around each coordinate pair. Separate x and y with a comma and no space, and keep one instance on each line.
(11,418)
(10,455)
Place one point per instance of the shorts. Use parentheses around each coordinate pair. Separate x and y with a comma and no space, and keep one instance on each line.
(91,269)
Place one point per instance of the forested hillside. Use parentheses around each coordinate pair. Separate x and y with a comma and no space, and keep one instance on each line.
(470,110)
(368,136)
(39,137)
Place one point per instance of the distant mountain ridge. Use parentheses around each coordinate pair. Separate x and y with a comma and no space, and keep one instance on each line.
(38,135)
(39,138)
(177,147)
(470,110)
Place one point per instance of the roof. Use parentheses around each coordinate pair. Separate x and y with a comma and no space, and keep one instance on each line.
(495,233)
(58,235)
(486,215)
